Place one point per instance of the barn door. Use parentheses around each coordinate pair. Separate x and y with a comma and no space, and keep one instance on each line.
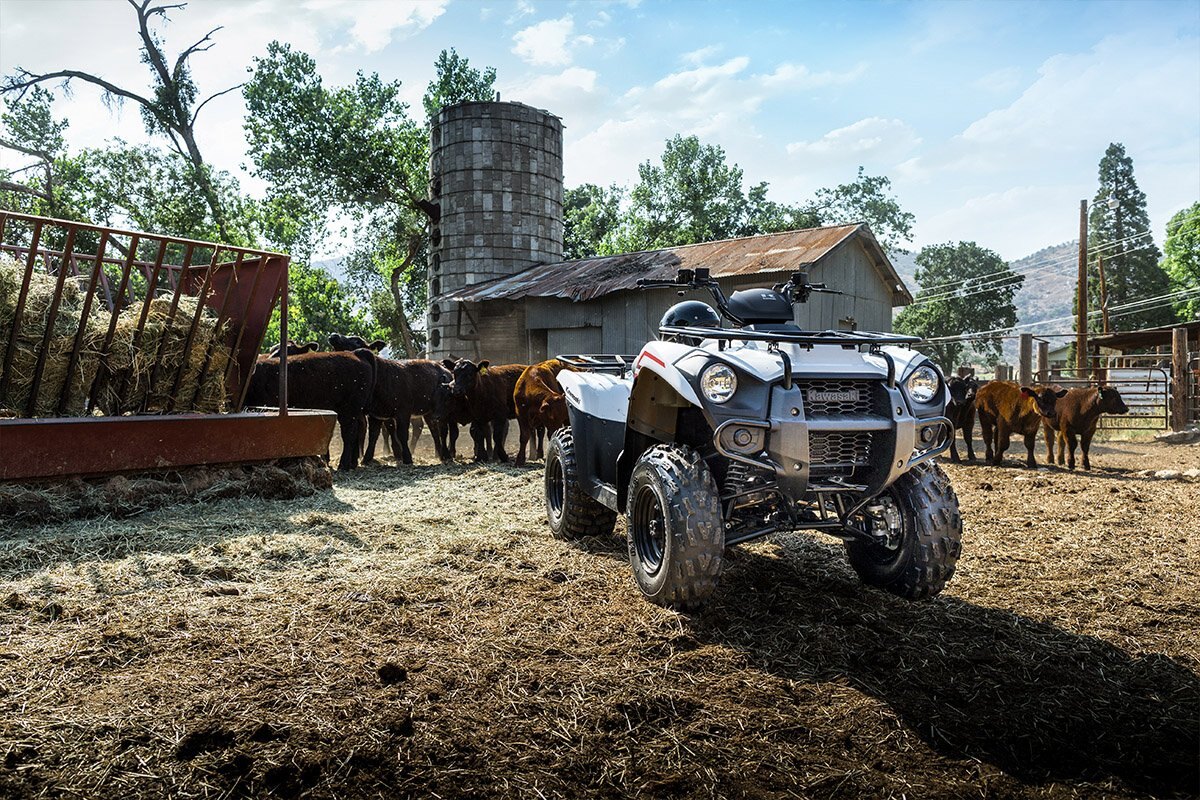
(565,341)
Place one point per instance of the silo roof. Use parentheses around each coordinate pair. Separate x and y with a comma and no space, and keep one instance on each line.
(589,278)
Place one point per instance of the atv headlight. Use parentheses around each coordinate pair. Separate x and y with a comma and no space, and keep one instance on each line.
(922,385)
(718,383)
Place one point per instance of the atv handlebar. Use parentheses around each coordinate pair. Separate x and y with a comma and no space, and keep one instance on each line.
(796,290)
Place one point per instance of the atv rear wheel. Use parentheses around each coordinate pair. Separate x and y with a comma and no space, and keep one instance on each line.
(676,536)
(571,511)
(923,558)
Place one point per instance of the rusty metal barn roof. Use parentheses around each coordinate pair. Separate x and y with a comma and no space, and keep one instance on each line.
(590,278)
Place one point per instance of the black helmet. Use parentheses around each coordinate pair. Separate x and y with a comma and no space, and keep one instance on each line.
(690,313)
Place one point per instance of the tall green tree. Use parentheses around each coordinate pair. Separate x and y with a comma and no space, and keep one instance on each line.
(1120,234)
(694,194)
(455,81)
(867,199)
(355,150)
(1181,260)
(34,136)
(971,290)
(170,108)
(591,219)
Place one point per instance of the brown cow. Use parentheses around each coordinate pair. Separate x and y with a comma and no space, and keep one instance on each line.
(338,382)
(541,405)
(1077,414)
(488,392)
(1005,408)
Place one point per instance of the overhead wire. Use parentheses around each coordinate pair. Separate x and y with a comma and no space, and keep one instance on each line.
(1125,309)
(1042,266)
(991,286)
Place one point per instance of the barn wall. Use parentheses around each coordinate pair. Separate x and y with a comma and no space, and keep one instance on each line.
(503,337)
(623,322)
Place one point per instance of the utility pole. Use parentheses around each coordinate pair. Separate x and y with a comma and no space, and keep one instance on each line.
(1081,300)
(1103,295)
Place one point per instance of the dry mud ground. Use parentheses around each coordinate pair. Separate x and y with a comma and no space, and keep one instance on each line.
(416,632)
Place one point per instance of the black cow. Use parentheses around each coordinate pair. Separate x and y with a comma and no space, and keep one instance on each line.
(961,413)
(338,382)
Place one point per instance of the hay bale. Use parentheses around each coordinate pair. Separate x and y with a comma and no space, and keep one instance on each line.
(124,371)
(163,339)
(34,322)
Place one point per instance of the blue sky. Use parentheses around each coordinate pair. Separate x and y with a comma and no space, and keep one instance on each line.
(989,117)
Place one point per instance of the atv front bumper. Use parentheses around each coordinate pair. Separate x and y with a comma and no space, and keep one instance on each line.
(859,453)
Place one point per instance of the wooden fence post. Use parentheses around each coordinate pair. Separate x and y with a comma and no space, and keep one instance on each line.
(1179,379)
(1025,364)
(1043,362)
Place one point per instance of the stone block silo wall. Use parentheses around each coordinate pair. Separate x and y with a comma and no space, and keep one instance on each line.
(496,175)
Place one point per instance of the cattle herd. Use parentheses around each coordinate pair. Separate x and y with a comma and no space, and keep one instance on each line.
(1066,417)
(371,394)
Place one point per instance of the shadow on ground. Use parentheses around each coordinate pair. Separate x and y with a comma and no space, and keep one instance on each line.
(1034,700)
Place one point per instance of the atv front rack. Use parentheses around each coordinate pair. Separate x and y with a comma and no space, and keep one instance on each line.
(800,337)
(613,364)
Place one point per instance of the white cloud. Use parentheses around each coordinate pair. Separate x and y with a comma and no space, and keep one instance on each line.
(545,44)
(523,8)
(700,55)
(716,102)
(873,136)
(1001,81)
(798,76)
(373,25)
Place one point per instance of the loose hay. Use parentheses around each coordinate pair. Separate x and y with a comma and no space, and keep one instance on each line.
(126,370)
(384,641)
(126,496)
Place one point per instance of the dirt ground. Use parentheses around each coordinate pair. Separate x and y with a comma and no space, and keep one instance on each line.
(416,632)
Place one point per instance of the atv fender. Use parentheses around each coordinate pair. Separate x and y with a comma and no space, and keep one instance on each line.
(654,405)
(597,405)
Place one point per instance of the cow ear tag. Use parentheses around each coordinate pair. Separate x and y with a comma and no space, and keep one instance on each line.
(483,370)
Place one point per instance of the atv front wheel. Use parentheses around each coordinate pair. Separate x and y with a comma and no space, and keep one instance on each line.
(923,557)
(676,537)
(571,511)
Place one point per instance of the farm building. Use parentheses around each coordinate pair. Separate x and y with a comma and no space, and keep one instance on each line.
(499,288)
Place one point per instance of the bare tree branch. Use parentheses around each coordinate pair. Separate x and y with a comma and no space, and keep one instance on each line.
(21,188)
(25,80)
(153,53)
(196,48)
(196,113)
(29,151)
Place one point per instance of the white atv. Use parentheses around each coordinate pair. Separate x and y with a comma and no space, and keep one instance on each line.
(715,436)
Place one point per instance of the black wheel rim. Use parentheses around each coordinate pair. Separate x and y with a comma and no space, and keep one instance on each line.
(555,487)
(649,525)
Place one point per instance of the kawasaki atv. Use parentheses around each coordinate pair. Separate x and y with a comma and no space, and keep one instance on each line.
(714,436)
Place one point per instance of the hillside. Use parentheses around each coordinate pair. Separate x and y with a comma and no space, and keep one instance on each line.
(1048,292)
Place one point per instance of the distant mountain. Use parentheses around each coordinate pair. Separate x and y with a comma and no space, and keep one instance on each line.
(1047,294)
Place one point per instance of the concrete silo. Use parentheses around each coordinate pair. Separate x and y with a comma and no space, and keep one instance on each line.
(496,177)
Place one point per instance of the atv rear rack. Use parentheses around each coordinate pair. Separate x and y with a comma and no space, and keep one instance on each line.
(614,364)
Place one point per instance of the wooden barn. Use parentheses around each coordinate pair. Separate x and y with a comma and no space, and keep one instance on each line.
(594,306)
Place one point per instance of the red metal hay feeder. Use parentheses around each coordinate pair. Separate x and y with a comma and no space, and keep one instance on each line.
(120,270)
